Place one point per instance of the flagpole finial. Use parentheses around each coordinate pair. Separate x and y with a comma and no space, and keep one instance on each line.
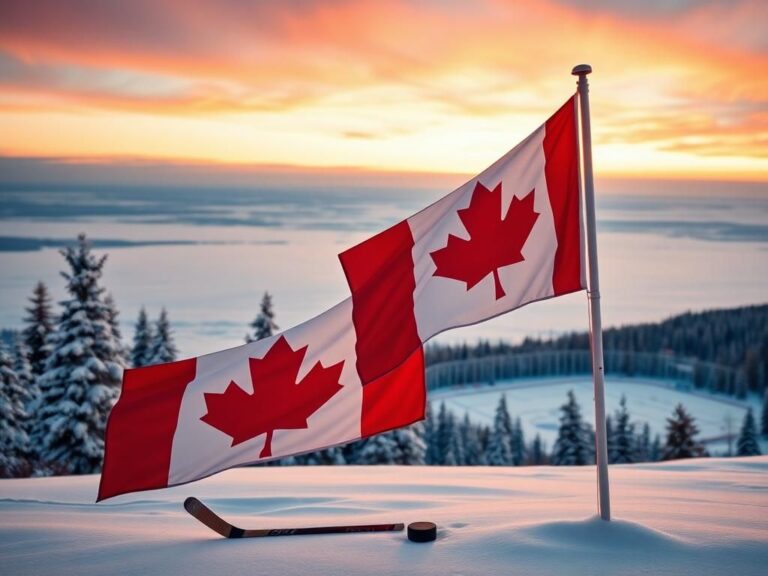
(581,70)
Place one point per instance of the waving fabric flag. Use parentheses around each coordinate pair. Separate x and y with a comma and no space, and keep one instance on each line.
(288,394)
(508,237)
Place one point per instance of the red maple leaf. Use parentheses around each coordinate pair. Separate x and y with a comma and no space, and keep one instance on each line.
(494,241)
(278,402)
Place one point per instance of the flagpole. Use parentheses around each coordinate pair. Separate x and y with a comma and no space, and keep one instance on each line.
(593,295)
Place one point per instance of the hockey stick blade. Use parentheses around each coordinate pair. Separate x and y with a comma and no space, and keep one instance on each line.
(216,523)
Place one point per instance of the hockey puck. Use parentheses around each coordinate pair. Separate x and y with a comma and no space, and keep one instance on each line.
(422,531)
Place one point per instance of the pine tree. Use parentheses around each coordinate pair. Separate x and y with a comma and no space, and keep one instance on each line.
(28,382)
(14,441)
(499,452)
(143,336)
(264,324)
(470,440)
(655,453)
(23,368)
(82,374)
(643,444)
(506,419)
(162,349)
(379,449)
(572,447)
(351,451)
(432,456)
(410,447)
(623,436)
(39,322)
(536,453)
(114,323)
(610,438)
(517,443)
(681,432)
(764,418)
(747,444)
(448,451)
(333,456)
(455,453)
(589,434)
(443,437)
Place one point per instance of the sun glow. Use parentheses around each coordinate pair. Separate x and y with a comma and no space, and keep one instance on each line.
(400,85)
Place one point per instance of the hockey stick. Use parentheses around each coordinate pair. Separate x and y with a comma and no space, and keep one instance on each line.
(221,526)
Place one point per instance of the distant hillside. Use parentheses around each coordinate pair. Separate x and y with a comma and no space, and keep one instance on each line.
(734,337)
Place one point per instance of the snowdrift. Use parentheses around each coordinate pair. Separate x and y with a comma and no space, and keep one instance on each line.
(692,517)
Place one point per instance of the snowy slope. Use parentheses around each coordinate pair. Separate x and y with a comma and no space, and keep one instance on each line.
(688,517)
(537,402)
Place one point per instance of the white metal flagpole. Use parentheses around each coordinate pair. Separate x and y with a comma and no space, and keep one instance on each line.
(593,295)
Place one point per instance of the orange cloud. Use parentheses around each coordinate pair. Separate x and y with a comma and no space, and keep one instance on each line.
(387,76)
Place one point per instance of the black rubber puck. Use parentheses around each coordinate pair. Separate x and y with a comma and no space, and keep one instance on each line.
(422,532)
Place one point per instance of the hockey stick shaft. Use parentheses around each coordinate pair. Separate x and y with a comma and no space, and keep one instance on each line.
(216,523)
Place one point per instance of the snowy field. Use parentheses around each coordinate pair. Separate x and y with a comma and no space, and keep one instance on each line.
(537,402)
(694,517)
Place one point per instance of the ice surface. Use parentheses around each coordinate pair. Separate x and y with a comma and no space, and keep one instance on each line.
(694,517)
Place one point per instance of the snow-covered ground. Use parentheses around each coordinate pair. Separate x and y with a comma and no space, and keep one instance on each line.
(696,517)
(537,402)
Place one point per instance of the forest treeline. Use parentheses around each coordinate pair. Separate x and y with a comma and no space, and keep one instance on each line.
(736,338)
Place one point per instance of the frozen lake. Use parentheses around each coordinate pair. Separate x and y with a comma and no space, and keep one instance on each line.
(208,255)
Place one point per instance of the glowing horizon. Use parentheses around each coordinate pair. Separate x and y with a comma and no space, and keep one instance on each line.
(398,86)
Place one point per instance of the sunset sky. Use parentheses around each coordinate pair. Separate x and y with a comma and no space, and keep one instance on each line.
(679,89)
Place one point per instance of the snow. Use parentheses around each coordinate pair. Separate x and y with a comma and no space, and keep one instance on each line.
(537,402)
(691,517)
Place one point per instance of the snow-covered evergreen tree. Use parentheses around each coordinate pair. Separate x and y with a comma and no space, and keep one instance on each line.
(655,453)
(351,451)
(681,437)
(448,448)
(430,437)
(499,452)
(332,456)
(14,440)
(31,395)
(764,418)
(747,444)
(506,420)
(517,443)
(264,324)
(537,454)
(610,439)
(410,447)
(162,348)
(454,456)
(572,447)
(83,373)
(114,323)
(143,336)
(444,443)
(39,325)
(623,436)
(23,368)
(643,444)
(379,449)
(470,440)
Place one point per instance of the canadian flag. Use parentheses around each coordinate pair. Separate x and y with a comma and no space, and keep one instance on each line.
(508,237)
